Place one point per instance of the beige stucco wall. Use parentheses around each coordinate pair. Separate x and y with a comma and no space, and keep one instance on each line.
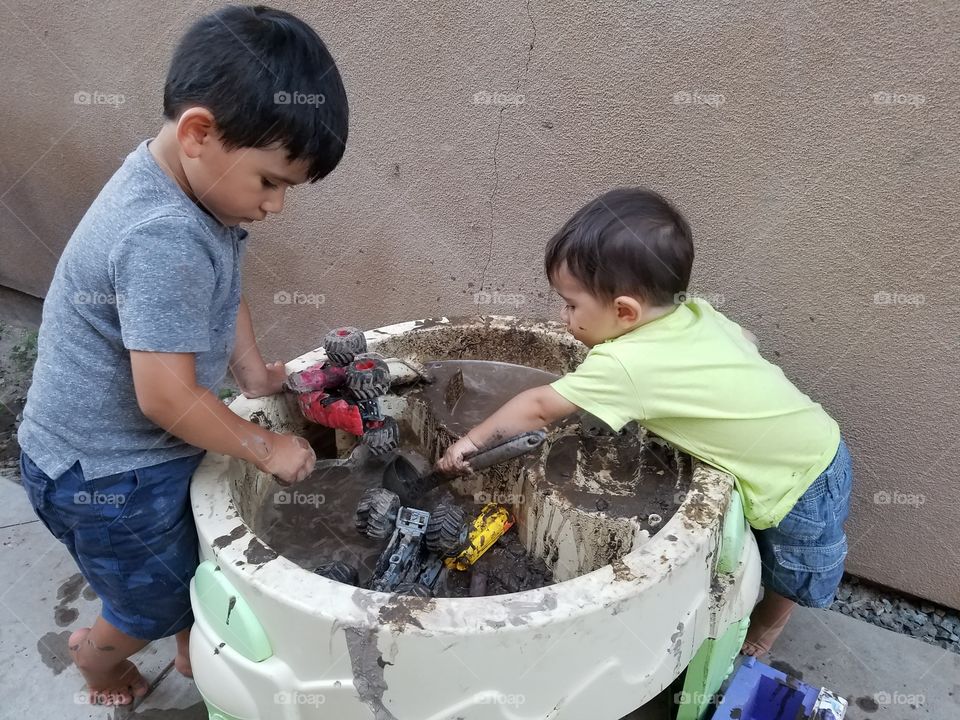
(808,194)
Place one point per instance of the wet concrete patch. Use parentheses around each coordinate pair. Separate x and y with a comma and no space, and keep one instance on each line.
(68,592)
(54,652)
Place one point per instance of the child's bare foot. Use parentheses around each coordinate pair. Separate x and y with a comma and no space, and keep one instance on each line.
(767,621)
(119,684)
(182,664)
(182,661)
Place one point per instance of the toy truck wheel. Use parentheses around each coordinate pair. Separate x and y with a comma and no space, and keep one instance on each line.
(368,377)
(446,530)
(377,513)
(415,589)
(384,438)
(339,571)
(344,344)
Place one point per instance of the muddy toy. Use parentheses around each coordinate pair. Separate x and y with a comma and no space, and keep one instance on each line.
(401,477)
(343,392)
(419,541)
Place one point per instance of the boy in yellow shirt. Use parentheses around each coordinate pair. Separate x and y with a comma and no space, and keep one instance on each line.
(695,378)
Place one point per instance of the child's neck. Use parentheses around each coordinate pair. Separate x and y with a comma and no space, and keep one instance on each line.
(648,315)
(166,151)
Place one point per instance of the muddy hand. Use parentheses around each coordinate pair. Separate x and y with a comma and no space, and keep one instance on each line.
(276,376)
(291,459)
(452,462)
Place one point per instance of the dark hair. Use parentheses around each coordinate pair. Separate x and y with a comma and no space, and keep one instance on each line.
(241,63)
(629,241)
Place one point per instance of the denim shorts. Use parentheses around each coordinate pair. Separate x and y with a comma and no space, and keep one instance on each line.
(803,555)
(132,536)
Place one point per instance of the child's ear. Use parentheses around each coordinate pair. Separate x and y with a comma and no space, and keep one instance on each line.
(195,128)
(628,309)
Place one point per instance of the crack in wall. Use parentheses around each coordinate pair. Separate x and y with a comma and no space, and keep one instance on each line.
(496,146)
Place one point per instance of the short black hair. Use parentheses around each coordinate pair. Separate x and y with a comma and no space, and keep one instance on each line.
(241,63)
(629,241)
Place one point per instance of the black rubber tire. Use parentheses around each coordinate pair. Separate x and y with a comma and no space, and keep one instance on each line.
(376,515)
(415,589)
(446,530)
(339,571)
(384,438)
(342,345)
(368,377)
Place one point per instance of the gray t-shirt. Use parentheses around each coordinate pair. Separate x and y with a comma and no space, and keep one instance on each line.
(146,269)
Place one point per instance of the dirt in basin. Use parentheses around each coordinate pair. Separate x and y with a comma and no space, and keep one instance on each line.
(313,522)
(622,475)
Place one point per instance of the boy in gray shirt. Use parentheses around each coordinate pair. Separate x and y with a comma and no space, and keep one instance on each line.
(145,314)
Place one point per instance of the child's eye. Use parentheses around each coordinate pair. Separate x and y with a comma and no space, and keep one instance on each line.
(267,183)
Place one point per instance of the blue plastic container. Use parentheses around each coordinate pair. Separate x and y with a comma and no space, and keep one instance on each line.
(756,691)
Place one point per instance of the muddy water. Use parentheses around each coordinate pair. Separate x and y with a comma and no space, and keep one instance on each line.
(619,475)
(312,523)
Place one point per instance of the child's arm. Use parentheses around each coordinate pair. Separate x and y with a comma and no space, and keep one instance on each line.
(255,378)
(168,394)
(529,410)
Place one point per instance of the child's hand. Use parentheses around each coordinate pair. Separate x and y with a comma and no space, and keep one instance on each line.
(452,462)
(271,383)
(291,459)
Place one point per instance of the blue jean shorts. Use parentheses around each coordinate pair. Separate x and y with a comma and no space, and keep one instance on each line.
(803,556)
(132,536)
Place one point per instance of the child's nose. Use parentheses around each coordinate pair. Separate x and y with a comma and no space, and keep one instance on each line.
(274,204)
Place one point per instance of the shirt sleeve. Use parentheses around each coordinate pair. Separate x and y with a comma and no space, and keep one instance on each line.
(164,279)
(602,387)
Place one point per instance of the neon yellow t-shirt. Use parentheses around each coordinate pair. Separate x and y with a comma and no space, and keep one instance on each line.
(692,378)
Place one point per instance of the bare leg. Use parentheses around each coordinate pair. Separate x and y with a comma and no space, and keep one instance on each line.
(100,653)
(767,621)
(182,661)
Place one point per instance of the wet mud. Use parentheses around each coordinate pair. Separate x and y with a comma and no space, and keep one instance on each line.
(628,474)
(312,523)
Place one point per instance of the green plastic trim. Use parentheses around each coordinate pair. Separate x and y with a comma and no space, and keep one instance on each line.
(215,713)
(708,669)
(229,614)
(733,536)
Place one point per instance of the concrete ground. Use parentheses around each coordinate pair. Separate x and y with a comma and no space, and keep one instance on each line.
(884,675)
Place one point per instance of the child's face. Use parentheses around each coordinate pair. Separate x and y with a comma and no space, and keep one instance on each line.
(235,186)
(588,318)
(244,184)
